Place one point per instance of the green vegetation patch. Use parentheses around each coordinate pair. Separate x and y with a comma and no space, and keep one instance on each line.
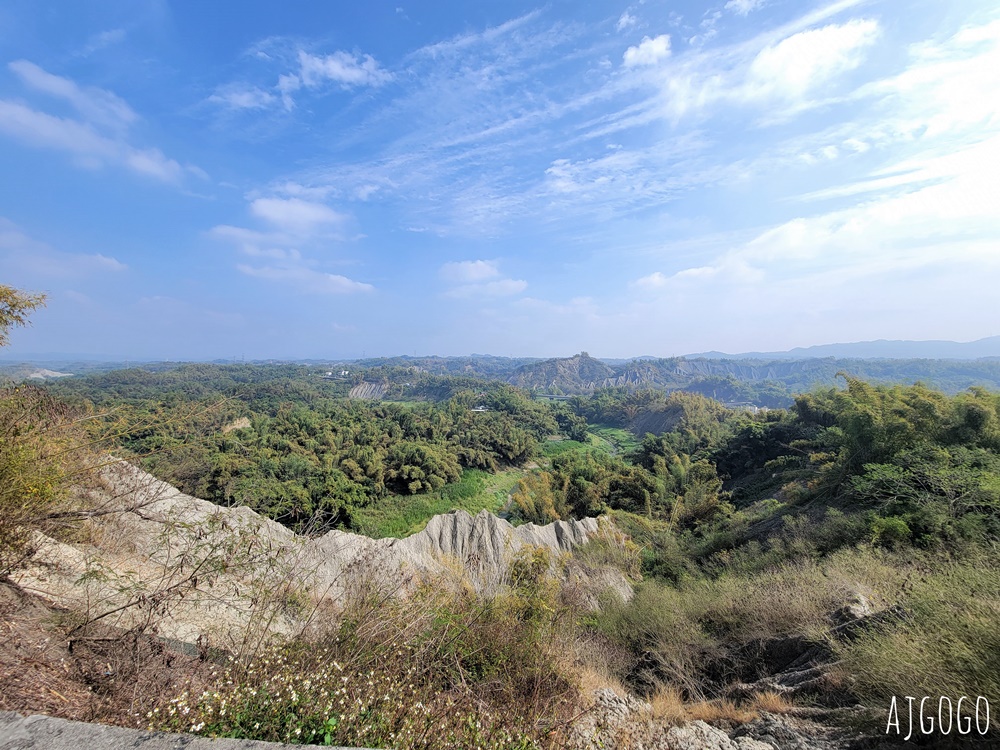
(620,440)
(402,515)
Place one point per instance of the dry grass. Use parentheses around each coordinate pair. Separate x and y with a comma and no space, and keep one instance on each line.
(719,711)
(104,674)
(668,706)
(771,702)
(591,679)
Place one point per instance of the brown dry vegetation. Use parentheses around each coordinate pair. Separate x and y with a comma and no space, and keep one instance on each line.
(103,674)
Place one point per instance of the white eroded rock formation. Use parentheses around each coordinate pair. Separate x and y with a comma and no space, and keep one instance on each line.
(202,570)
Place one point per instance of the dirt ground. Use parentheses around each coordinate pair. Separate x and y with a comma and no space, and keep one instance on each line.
(97,674)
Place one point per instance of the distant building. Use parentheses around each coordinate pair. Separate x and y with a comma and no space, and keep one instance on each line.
(745,406)
(338,376)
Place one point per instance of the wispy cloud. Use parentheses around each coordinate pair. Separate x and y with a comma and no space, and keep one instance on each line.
(237,97)
(479,279)
(101,40)
(44,262)
(307,279)
(500,124)
(929,203)
(467,271)
(99,138)
(95,105)
(300,70)
(296,233)
(743,7)
(625,21)
(295,214)
(459,139)
(787,75)
(343,68)
(805,61)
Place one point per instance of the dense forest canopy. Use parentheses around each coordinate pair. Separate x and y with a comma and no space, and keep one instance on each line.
(908,464)
(287,443)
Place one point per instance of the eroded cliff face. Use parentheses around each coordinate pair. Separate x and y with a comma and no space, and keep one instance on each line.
(203,571)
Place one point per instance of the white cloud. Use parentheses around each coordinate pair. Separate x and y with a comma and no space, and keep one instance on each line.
(463,42)
(341,67)
(104,39)
(503,287)
(243,97)
(288,84)
(96,105)
(807,60)
(940,103)
(307,279)
(490,289)
(152,162)
(295,214)
(912,254)
(39,259)
(948,85)
(469,271)
(648,52)
(478,279)
(364,192)
(298,229)
(789,70)
(273,245)
(41,129)
(654,280)
(91,148)
(315,71)
(944,215)
(625,21)
(743,7)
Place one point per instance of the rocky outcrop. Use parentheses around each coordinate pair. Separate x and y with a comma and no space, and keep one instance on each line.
(46,733)
(578,374)
(701,736)
(624,721)
(216,563)
(368,391)
(799,667)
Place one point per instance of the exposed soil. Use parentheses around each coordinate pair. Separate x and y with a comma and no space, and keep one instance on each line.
(99,674)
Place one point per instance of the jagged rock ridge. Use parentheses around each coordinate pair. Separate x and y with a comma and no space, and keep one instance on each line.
(158,525)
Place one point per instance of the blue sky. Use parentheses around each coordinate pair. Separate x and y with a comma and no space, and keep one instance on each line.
(302,179)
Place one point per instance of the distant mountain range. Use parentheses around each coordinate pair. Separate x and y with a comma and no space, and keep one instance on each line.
(764,381)
(761,378)
(881,349)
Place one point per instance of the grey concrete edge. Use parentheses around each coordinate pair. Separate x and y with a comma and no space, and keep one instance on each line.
(44,732)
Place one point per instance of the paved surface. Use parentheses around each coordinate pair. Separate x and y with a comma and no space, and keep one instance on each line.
(46,733)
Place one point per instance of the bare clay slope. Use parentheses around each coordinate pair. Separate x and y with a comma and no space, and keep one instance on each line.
(214,565)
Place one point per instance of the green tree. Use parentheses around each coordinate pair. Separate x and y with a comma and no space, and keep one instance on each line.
(15,305)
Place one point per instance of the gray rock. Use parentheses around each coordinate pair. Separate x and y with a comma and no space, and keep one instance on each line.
(701,736)
(46,733)
(143,513)
(786,733)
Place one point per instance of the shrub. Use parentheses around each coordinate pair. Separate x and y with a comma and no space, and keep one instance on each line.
(890,532)
(947,642)
(37,461)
